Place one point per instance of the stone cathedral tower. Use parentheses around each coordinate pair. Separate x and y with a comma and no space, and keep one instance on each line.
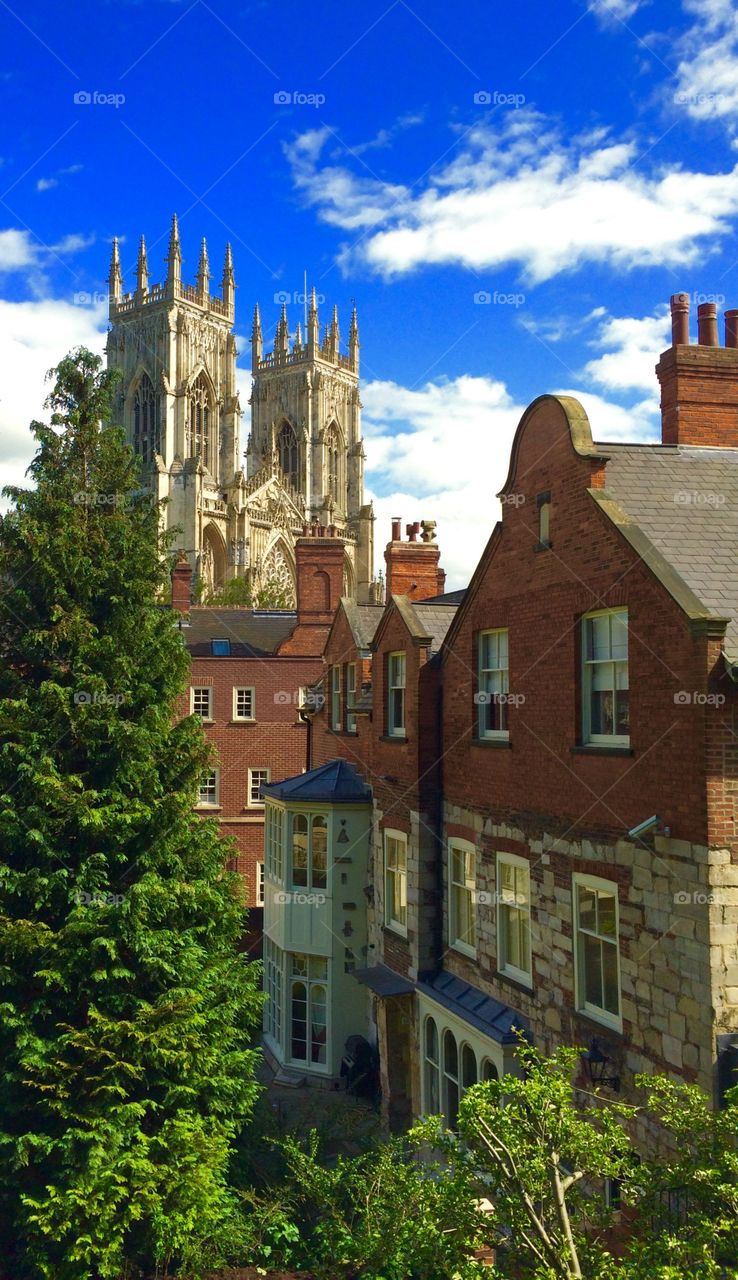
(179,404)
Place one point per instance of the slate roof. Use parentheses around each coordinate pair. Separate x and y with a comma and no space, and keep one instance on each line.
(435,620)
(491,1017)
(449,597)
(337,782)
(684,499)
(383,981)
(253,633)
(363,620)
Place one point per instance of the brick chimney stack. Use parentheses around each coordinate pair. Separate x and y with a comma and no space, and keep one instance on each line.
(182,584)
(320,558)
(412,566)
(699,382)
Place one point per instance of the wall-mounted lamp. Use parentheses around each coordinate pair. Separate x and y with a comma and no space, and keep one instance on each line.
(596,1064)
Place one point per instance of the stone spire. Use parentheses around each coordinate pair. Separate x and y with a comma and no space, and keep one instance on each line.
(203,273)
(313,333)
(354,342)
(115,276)
(142,271)
(257,339)
(174,256)
(297,347)
(334,336)
(282,340)
(228,283)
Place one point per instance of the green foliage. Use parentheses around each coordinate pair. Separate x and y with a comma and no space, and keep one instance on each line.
(388,1214)
(239,594)
(125,1007)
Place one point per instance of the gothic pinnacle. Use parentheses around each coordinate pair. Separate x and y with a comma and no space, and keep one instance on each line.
(228,266)
(142,268)
(115,277)
(174,255)
(256,326)
(203,269)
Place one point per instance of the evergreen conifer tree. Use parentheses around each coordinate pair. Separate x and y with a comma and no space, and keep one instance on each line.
(126,1008)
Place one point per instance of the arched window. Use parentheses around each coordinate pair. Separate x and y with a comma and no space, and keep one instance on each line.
(199,424)
(332,458)
(468,1068)
(146,422)
(450,1078)
(289,455)
(489,1070)
(308,1008)
(432,1066)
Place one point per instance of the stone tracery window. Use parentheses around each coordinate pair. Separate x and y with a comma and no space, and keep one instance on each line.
(199,421)
(332,457)
(146,420)
(277,577)
(289,455)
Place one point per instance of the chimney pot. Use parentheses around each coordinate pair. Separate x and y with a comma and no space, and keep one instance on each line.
(679,319)
(707,324)
(412,531)
(396,528)
(731,328)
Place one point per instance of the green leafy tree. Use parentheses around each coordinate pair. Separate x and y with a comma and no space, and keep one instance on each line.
(126,1009)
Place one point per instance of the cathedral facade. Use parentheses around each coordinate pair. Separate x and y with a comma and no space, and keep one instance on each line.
(238,513)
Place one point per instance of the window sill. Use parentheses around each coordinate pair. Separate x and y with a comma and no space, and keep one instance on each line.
(205,720)
(469,953)
(516,983)
(594,749)
(208,808)
(393,737)
(396,930)
(615,1027)
(242,720)
(492,742)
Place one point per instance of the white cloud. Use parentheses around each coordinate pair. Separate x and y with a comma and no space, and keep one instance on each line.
(34,336)
(707,85)
(19,250)
(442,451)
(614,12)
(630,348)
(520,194)
(45,184)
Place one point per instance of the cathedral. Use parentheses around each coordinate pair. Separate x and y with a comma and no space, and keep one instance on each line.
(238,514)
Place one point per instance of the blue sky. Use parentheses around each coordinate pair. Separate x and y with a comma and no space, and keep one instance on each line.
(573,164)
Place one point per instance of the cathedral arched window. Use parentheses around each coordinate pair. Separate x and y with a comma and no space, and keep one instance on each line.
(333,462)
(289,455)
(146,420)
(200,423)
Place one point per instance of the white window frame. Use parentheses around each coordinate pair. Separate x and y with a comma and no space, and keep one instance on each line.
(493,675)
(544,520)
(588,667)
(350,697)
(396,681)
(274,989)
(202,688)
(399,879)
(311,981)
(274,826)
(244,688)
(466,848)
(209,804)
(484,1050)
(259,886)
(258,803)
(336,722)
(316,876)
(604,1016)
(523,976)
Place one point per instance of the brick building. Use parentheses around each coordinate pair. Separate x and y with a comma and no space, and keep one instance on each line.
(249,671)
(553,758)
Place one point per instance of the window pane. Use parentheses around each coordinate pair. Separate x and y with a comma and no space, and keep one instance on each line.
(599,637)
(489,1070)
(610,978)
(431,1040)
(587,900)
(592,975)
(450,1055)
(299,1021)
(317,1024)
(619,635)
(320,853)
(468,1067)
(433,1101)
(606,914)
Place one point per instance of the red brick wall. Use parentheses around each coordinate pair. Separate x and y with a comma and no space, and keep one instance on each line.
(699,395)
(540,597)
(277,740)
